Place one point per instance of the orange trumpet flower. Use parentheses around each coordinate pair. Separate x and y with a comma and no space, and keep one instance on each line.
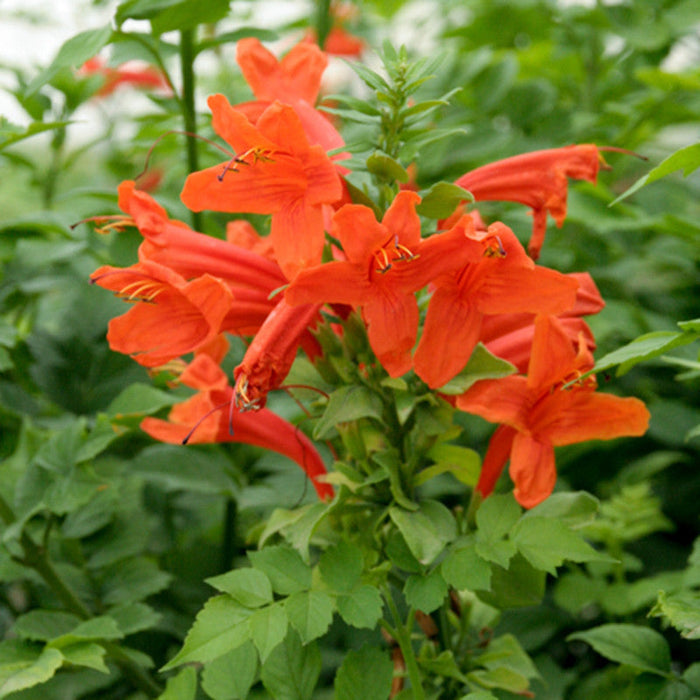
(537,413)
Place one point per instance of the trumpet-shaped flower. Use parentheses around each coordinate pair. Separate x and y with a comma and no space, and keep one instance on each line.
(542,411)
(538,180)
(501,280)
(386,263)
(205,417)
(276,172)
(132,73)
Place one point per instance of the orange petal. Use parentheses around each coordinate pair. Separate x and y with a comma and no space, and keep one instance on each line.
(532,469)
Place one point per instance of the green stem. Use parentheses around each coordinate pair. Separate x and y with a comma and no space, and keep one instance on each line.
(403,638)
(323,21)
(189,114)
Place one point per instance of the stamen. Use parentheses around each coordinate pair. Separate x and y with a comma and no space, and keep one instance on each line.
(240,396)
(108,223)
(494,248)
(188,437)
(141,290)
(258,154)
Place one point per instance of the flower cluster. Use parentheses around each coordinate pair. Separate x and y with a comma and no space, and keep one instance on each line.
(478,282)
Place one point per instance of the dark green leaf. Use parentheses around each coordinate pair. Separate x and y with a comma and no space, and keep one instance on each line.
(361,607)
(633,645)
(464,569)
(347,404)
(365,674)
(427,531)
(188,14)
(291,670)
(426,592)
(44,625)
(132,580)
(310,613)
(140,400)
(341,566)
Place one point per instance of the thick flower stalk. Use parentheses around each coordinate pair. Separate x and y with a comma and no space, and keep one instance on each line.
(211,416)
(543,410)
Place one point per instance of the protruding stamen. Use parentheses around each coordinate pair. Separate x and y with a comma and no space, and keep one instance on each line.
(241,398)
(494,248)
(108,223)
(258,154)
(141,290)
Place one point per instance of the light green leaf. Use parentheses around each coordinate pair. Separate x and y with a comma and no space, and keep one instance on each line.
(230,676)
(547,543)
(462,462)
(501,679)
(442,199)
(284,567)
(464,569)
(341,566)
(365,674)
(386,168)
(72,54)
(506,652)
(481,365)
(310,613)
(44,625)
(88,654)
(134,617)
(250,587)
(96,628)
(140,400)
(268,627)
(682,610)
(427,531)
(640,647)
(425,592)
(573,508)
(347,404)
(292,669)
(361,607)
(495,518)
(181,687)
(220,626)
(11,133)
(23,666)
(686,159)
(187,14)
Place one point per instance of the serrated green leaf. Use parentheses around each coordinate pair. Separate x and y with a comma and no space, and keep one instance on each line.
(427,531)
(497,515)
(633,645)
(425,592)
(681,610)
(183,686)
(268,627)
(481,365)
(23,666)
(365,674)
(285,568)
(462,462)
(347,404)
(464,569)
(361,607)
(231,676)
(547,543)
(368,76)
(72,54)
(442,199)
(341,566)
(220,626)
(292,670)
(686,159)
(250,587)
(310,613)
(574,509)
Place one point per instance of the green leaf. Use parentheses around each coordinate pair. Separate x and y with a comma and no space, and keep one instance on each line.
(682,610)
(442,199)
(88,654)
(427,531)
(445,665)
(134,617)
(391,464)
(181,687)
(361,607)
(495,518)
(464,569)
(44,625)
(292,670)
(140,400)
(341,566)
(284,567)
(633,645)
(250,587)
(220,626)
(11,133)
(23,666)
(425,592)
(268,627)
(72,54)
(96,628)
(501,679)
(574,508)
(365,674)
(462,462)
(310,613)
(386,168)
(132,580)
(646,347)
(521,584)
(506,652)
(686,159)
(481,365)
(347,404)
(231,676)
(547,543)
(189,14)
